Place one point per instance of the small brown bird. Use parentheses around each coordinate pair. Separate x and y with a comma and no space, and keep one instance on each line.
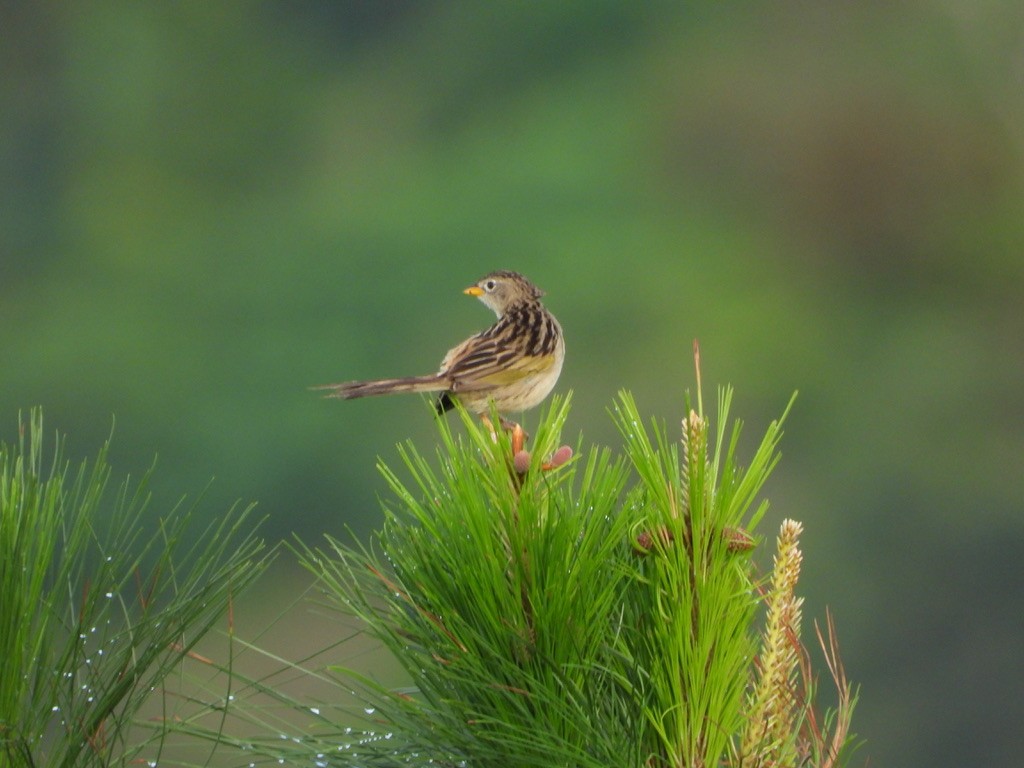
(514,363)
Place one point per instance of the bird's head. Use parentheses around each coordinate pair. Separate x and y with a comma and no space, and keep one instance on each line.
(503,289)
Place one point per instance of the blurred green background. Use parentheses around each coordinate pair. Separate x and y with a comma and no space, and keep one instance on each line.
(206,208)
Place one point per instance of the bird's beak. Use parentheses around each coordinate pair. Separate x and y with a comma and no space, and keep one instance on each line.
(474,290)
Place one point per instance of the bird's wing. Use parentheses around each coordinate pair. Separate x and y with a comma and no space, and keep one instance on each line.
(482,362)
(508,374)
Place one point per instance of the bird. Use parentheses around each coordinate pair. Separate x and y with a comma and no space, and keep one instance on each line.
(511,366)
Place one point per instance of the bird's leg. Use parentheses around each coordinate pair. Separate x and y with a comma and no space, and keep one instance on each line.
(520,456)
(515,429)
(519,435)
(490,428)
(509,426)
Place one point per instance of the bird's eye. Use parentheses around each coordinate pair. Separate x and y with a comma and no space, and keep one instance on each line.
(490,285)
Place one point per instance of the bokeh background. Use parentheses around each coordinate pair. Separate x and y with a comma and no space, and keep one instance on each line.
(207,207)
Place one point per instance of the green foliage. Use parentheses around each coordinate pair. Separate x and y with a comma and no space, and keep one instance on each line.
(597,613)
(207,207)
(493,624)
(694,602)
(97,610)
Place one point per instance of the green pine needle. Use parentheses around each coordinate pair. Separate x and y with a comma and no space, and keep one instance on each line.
(97,612)
(600,612)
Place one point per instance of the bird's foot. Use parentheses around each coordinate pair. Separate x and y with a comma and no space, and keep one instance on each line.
(521,456)
(519,435)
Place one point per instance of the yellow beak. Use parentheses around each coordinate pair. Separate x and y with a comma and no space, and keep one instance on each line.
(474,290)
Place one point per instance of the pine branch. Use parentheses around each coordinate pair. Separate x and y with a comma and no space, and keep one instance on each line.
(586,611)
(96,611)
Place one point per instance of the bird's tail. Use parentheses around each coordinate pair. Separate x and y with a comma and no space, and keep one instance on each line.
(353,389)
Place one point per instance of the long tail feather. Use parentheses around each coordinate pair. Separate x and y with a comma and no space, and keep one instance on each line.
(353,389)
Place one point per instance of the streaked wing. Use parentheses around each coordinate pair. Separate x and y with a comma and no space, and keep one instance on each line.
(523,344)
(489,377)
(483,361)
